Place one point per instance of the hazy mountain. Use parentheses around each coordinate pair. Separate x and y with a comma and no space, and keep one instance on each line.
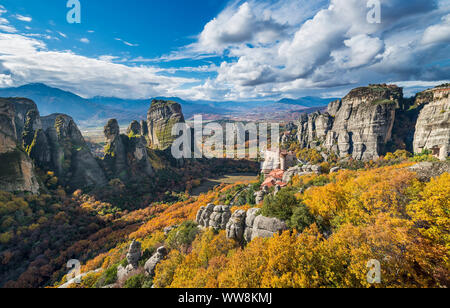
(94,112)
(308,101)
(85,111)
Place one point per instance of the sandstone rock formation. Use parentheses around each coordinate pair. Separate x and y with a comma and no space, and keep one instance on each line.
(360,125)
(126,157)
(161,118)
(249,221)
(433,124)
(241,225)
(151,263)
(134,129)
(264,227)
(71,158)
(204,214)
(301,171)
(364,121)
(427,170)
(134,253)
(236,226)
(216,217)
(16,168)
(133,256)
(313,129)
(220,217)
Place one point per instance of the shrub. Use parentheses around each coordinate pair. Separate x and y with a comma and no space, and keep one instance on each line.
(301,218)
(135,282)
(182,236)
(280,206)
(108,277)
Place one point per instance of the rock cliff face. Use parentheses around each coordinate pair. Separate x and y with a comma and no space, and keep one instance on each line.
(16,168)
(360,125)
(363,124)
(126,157)
(240,225)
(313,129)
(60,147)
(433,124)
(161,118)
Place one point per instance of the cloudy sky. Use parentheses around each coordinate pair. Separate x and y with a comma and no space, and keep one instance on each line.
(224,50)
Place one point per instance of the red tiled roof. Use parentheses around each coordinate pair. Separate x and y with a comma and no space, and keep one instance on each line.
(277,174)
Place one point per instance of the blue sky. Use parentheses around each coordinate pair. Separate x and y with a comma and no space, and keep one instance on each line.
(224,50)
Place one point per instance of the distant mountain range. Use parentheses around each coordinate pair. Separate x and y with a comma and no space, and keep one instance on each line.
(308,101)
(95,111)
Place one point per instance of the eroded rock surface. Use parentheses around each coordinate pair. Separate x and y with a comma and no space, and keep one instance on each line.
(151,263)
(17,172)
(71,157)
(126,157)
(363,123)
(161,118)
(433,124)
(241,225)
(236,226)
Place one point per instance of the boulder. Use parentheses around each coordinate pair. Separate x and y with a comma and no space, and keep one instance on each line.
(266,227)
(335,169)
(427,170)
(259,196)
(151,263)
(134,254)
(236,226)
(167,230)
(204,214)
(249,220)
(220,217)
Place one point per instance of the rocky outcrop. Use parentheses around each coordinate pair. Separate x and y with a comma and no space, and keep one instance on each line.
(216,217)
(301,171)
(134,253)
(133,256)
(70,156)
(427,170)
(364,121)
(161,118)
(204,214)
(433,124)
(17,172)
(134,129)
(241,225)
(115,159)
(359,125)
(54,143)
(126,157)
(249,221)
(313,129)
(151,263)
(264,227)
(236,226)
